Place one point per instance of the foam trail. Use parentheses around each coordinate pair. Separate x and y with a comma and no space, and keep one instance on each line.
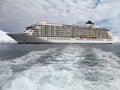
(69,68)
(30,57)
(9,69)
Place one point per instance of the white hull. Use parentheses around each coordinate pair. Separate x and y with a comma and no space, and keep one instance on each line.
(22,38)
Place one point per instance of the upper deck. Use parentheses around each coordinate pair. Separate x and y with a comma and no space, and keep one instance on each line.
(44,29)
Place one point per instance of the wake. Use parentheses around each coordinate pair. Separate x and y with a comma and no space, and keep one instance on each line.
(71,67)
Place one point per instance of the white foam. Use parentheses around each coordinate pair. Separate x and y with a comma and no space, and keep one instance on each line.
(30,57)
(44,78)
(107,57)
(110,69)
(63,74)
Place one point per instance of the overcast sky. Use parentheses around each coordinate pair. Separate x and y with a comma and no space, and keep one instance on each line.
(15,15)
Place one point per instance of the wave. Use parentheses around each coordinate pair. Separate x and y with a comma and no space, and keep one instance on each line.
(71,67)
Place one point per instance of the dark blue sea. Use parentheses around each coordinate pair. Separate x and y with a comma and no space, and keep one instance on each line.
(60,66)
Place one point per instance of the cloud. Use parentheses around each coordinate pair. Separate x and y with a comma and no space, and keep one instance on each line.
(15,15)
(116,39)
(96,4)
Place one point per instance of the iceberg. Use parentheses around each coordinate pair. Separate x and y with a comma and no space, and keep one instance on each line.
(4,38)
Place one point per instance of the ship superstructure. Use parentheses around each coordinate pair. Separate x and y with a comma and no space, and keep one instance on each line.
(44,32)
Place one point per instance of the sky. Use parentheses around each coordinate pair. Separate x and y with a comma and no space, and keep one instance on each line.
(15,15)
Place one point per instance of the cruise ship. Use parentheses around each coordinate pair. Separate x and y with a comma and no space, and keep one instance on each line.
(44,32)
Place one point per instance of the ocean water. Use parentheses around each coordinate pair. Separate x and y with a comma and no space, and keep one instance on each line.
(60,66)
